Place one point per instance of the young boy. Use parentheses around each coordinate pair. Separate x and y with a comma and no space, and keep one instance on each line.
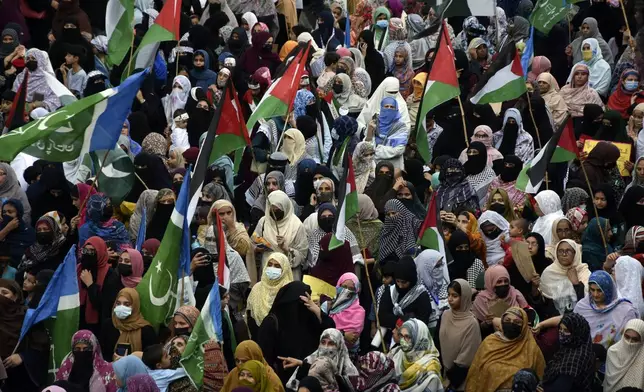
(74,77)
(518,228)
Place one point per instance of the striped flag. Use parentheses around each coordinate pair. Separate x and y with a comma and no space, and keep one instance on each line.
(118,27)
(503,81)
(61,305)
(449,8)
(16,116)
(140,237)
(207,327)
(348,203)
(430,235)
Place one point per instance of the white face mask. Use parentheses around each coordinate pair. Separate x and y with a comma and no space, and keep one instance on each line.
(177,91)
(273,273)
(122,312)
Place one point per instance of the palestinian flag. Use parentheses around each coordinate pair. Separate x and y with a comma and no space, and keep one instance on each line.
(430,235)
(503,81)
(165,28)
(562,147)
(223,272)
(449,8)
(278,99)
(348,203)
(16,115)
(441,86)
(118,27)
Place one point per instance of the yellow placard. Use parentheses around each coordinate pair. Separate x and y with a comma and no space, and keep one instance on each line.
(624,154)
(319,287)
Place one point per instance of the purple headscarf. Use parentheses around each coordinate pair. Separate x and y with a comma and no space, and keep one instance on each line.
(396,8)
(142,383)
(103,377)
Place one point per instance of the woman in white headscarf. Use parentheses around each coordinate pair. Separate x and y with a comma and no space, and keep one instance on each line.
(281,231)
(249,19)
(600,72)
(628,277)
(548,207)
(347,97)
(625,359)
(41,79)
(177,98)
(492,226)
(390,87)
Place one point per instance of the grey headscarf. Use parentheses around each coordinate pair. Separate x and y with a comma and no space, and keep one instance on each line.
(10,189)
(260,201)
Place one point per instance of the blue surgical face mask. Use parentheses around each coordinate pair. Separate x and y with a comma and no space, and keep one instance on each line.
(273,273)
(382,24)
(631,85)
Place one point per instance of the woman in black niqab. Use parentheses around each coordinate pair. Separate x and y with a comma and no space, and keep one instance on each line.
(544,130)
(380,186)
(51,193)
(373,60)
(151,170)
(237,43)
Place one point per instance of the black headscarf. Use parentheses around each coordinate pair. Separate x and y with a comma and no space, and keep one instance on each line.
(12,313)
(307,125)
(462,259)
(475,164)
(510,135)
(239,45)
(41,199)
(139,127)
(509,174)
(152,172)
(629,208)
(539,260)
(198,123)
(590,125)
(156,227)
(304,185)
(575,357)
(373,60)
(405,269)
(381,185)
(541,117)
(95,84)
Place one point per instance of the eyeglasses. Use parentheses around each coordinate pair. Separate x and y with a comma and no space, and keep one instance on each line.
(86,251)
(565,252)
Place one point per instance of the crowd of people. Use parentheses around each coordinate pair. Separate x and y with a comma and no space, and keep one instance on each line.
(538,291)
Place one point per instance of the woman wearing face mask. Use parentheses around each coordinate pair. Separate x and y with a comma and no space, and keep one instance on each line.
(10,189)
(126,326)
(324,193)
(506,181)
(589,29)
(479,174)
(627,93)
(500,203)
(416,94)
(468,249)
(93,271)
(512,139)
(152,172)
(48,251)
(624,359)
(260,54)
(380,27)
(577,93)
(549,90)
(389,88)
(184,320)
(282,231)
(330,364)
(345,95)
(347,313)
(433,274)
(345,140)
(275,275)
(606,311)
(459,334)
(504,353)
(600,166)
(483,134)
(374,63)
(177,98)
(41,74)
(455,192)
(406,297)
(497,288)
(329,264)
(16,234)
(599,68)
(493,225)
(100,222)
(201,75)
(381,185)
(85,365)
(389,133)
(399,233)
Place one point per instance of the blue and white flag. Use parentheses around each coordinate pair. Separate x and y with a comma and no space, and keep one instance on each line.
(528,52)
(347,32)
(140,237)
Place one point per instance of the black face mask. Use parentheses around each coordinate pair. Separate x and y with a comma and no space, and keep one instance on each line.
(326,223)
(147,261)
(45,237)
(125,269)
(325,197)
(234,43)
(494,233)
(181,331)
(6,219)
(339,71)
(337,88)
(70,35)
(268,47)
(108,211)
(176,186)
(164,209)
(499,208)
(408,203)
(509,174)
(511,330)
(89,262)
(312,111)
(502,291)
(610,165)
(277,215)
(31,65)
(510,129)
(83,367)
(202,202)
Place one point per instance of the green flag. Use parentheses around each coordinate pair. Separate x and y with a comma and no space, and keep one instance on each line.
(548,12)
(117,175)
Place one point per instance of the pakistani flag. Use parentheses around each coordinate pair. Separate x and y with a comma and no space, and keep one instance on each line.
(115,176)
(503,81)
(562,147)
(60,307)
(278,99)
(118,26)
(90,124)
(449,8)
(158,288)
(348,203)
(442,85)
(208,327)
(547,13)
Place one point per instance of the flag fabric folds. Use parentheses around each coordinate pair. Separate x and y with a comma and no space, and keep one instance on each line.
(430,235)
(118,28)
(561,147)
(547,13)
(348,202)
(503,81)
(442,85)
(114,173)
(450,8)
(158,288)
(90,124)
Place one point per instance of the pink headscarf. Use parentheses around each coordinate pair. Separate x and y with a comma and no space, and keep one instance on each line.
(492,153)
(136,259)
(575,216)
(483,299)
(84,192)
(345,310)
(103,379)
(540,64)
(343,52)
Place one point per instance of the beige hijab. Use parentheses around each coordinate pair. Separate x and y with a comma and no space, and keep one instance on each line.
(554,101)
(625,361)
(554,280)
(299,147)
(460,335)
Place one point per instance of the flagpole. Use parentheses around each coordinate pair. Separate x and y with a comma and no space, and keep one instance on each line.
(496,22)
(373,297)
(601,232)
(460,105)
(621,4)
(142,182)
(176,60)
(534,122)
(94,183)
(129,63)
